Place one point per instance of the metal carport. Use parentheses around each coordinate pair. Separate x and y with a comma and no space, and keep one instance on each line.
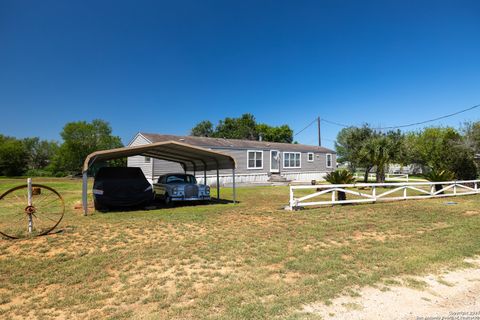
(194,159)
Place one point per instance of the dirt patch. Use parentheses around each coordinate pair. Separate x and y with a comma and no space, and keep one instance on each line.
(471,213)
(445,295)
(325,244)
(78,208)
(434,227)
(374,235)
(277,273)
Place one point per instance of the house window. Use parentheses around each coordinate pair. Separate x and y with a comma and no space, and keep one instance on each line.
(291,160)
(329,160)
(310,157)
(255,159)
(147,159)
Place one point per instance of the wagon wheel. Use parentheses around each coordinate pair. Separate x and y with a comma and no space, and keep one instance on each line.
(19,218)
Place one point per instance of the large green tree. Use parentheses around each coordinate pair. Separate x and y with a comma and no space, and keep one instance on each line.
(472,136)
(13,156)
(350,144)
(80,139)
(281,133)
(433,146)
(443,148)
(243,127)
(40,152)
(203,129)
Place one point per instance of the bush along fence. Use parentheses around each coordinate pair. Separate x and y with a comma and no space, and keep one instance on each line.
(333,194)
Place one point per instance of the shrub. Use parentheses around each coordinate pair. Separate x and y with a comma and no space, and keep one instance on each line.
(13,157)
(463,165)
(439,176)
(39,173)
(340,177)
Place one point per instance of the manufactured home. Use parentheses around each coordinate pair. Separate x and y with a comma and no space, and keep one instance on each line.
(256,161)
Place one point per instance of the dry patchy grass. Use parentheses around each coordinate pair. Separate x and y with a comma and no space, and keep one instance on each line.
(222,261)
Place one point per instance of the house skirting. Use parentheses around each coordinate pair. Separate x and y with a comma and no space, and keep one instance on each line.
(248,178)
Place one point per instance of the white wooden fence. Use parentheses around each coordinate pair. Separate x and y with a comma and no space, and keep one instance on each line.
(373,192)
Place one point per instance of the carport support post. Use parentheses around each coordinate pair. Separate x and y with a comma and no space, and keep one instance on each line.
(205,176)
(84,193)
(218,185)
(234,192)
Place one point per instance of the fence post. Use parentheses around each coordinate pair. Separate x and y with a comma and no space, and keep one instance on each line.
(475,186)
(374,193)
(291,198)
(432,189)
(29,199)
(455,188)
(333,196)
(404,192)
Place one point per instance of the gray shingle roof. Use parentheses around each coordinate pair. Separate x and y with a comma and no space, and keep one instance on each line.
(221,143)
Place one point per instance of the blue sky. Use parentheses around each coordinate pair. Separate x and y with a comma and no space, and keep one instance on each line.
(161,67)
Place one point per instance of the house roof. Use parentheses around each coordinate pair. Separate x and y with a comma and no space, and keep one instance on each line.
(221,143)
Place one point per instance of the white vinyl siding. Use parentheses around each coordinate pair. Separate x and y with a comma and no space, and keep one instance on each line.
(310,157)
(254,159)
(328,160)
(292,160)
(139,161)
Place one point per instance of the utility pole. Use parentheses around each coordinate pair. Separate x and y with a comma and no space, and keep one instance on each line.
(319,134)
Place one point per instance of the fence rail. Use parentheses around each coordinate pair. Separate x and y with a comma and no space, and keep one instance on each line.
(373,192)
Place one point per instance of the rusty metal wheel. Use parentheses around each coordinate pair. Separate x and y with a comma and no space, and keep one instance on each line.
(30,210)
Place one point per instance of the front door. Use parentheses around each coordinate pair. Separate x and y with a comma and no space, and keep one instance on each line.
(274,161)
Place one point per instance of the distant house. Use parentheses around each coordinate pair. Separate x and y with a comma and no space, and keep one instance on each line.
(257,161)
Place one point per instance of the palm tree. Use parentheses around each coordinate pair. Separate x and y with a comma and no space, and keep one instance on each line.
(438,176)
(341,176)
(382,149)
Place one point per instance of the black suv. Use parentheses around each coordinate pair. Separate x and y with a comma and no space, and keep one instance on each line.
(120,188)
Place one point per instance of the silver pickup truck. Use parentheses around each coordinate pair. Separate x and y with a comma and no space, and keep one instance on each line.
(180,187)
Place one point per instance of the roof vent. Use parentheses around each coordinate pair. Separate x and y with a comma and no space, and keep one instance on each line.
(181,139)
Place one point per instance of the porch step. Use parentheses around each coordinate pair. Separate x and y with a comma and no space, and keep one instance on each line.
(277,178)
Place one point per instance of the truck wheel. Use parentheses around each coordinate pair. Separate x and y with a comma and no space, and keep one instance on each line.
(99,207)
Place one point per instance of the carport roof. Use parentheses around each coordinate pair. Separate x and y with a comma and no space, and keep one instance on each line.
(190,157)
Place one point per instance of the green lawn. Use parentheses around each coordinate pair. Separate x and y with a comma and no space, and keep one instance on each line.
(253,260)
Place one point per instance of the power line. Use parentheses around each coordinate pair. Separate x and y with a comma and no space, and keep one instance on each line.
(305,127)
(431,120)
(406,125)
(335,123)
